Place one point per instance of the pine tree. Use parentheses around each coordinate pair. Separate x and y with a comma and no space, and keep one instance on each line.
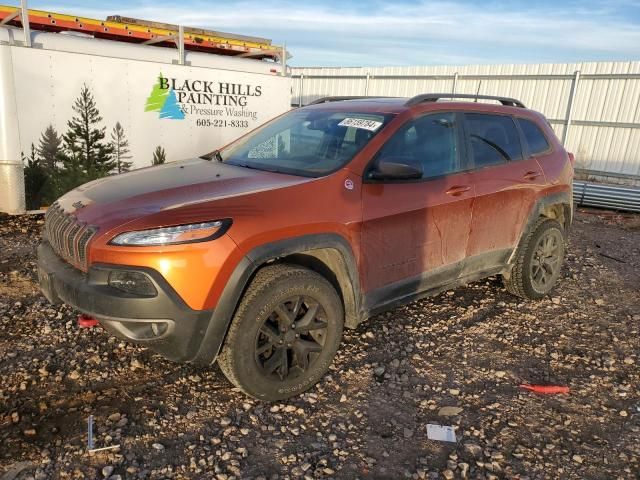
(51,156)
(49,149)
(85,140)
(157,97)
(159,156)
(72,175)
(120,146)
(35,179)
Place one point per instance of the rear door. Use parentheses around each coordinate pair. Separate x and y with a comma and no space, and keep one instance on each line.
(506,182)
(417,226)
(537,146)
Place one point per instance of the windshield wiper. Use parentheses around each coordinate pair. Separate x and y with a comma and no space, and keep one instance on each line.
(210,156)
(260,168)
(244,165)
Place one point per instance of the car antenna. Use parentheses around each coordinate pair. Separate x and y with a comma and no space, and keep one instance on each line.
(478,91)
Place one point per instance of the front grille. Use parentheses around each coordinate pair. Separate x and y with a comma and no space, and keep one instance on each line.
(67,236)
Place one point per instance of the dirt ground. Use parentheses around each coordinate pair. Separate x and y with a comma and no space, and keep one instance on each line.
(468,349)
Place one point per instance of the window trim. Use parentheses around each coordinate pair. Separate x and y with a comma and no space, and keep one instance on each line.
(525,143)
(463,159)
(470,148)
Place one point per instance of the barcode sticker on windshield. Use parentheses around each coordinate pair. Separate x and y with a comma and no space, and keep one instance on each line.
(370,125)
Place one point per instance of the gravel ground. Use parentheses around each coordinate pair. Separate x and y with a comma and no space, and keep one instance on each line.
(456,359)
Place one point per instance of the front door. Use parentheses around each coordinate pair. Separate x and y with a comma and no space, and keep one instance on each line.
(415,232)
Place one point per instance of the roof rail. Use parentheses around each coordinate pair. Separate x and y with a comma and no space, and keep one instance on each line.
(339,99)
(434,97)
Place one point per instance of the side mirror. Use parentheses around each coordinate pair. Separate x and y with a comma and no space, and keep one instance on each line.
(396,168)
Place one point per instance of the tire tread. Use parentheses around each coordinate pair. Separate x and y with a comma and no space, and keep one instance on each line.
(263,281)
(516,283)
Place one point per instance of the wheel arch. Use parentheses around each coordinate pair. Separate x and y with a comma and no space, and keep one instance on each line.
(328,254)
(557,205)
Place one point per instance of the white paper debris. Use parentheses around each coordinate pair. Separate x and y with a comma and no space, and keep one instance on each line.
(441,433)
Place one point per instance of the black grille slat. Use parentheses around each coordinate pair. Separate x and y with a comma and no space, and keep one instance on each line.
(56,218)
(62,234)
(67,236)
(71,240)
(82,245)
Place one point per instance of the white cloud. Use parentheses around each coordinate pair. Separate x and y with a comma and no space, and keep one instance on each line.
(425,32)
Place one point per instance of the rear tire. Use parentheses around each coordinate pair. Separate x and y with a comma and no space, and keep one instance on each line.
(284,335)
(538,261)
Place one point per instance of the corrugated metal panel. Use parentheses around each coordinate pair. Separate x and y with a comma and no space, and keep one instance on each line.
(606,196)
(605,128)
(12,187)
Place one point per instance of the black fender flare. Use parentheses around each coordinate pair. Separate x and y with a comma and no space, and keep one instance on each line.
(564,198)
(315,245)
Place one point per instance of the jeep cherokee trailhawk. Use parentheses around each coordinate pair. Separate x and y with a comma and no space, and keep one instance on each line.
(257,255)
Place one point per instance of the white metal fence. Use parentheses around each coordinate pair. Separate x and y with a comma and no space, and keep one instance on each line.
(593,107)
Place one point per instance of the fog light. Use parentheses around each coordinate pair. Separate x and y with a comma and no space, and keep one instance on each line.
(159,329)
(136,283)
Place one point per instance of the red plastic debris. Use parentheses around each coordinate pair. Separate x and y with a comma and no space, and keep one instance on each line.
(86,321)
(545,389)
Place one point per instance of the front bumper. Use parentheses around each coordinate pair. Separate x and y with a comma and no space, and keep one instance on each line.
(163,323)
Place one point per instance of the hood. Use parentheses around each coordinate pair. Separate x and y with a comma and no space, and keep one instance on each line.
(122,198)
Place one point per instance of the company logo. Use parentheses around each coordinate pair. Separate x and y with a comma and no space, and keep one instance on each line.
(163,99)
(175,99)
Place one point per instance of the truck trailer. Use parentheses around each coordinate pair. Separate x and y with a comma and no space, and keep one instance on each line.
(168,91)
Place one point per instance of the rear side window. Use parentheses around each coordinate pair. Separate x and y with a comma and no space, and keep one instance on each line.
(494,139)
(536,141)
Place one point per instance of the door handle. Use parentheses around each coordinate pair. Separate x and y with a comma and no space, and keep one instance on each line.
(458,190)
(532,175)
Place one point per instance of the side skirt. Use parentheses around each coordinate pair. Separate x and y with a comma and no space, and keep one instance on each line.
(435,281)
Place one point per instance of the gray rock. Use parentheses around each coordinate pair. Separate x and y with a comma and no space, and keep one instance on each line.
(450,411)
(473,449)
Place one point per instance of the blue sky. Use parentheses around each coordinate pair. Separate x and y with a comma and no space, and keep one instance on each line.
(378,33)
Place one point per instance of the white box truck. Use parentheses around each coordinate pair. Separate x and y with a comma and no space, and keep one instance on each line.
(183,101)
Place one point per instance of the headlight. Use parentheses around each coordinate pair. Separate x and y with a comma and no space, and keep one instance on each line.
(195,232)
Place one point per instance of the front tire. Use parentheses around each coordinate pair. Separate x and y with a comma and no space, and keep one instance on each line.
(284,335)
(538,261)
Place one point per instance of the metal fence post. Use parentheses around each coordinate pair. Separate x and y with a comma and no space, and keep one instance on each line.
(572,97)
(180,44)
(284,59)
(301,86)
(24,18)
(366,85)
(455,82)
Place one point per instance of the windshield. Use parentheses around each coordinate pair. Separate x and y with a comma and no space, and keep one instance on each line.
(306,142)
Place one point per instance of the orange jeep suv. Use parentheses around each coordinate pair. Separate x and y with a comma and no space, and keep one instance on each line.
(257,255)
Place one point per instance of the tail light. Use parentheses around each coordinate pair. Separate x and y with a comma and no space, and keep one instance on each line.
(572,159)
